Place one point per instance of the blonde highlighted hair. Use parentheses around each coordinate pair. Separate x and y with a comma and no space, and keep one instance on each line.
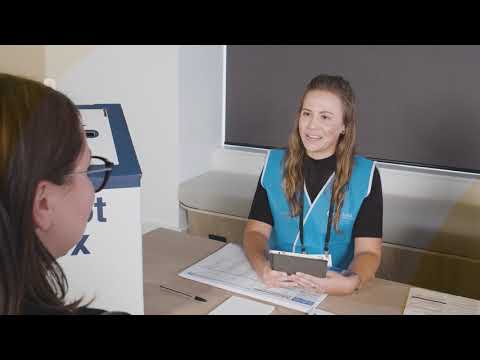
(293,176)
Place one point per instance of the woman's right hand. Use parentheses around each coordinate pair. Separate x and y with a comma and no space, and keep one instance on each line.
(255,241)
(276,279)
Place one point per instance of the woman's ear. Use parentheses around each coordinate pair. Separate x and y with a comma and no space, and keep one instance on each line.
(43,206)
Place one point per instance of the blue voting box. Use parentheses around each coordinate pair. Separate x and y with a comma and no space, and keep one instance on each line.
(107,263)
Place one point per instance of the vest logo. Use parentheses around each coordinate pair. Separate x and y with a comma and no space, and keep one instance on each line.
(346,216)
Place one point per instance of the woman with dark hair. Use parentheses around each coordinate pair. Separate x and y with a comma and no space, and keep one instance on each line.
(46,196)
(319,179)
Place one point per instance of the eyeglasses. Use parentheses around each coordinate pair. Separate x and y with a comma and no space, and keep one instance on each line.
(98,173)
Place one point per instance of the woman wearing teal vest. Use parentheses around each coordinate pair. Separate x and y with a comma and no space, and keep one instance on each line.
(319,179)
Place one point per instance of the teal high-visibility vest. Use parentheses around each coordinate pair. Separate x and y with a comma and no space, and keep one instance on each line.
(285,231)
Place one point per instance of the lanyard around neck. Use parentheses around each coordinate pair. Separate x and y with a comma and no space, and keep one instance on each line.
(329,224)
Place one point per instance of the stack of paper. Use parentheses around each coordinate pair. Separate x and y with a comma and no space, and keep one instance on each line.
(429,302)
(240,306)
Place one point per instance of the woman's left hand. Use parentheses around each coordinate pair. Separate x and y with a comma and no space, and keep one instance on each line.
(334,284)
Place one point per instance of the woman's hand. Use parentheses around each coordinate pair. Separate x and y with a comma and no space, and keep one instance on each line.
(334,284)
(276,279)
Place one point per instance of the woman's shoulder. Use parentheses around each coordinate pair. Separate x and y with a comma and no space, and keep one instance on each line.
(364,171)
(277,153)
(38,309)
(363,159)
(84,310)
(274,157)
(362,163)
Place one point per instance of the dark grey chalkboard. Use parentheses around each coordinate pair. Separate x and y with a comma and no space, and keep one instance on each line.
(416,104)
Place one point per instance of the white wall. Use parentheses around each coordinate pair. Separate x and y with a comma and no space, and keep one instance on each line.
(200,110)
(239,159)
(144,80)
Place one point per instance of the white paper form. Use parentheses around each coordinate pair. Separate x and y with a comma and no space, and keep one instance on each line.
(229,269)
(95,119)
(429,302)
(240,306)
(320,312)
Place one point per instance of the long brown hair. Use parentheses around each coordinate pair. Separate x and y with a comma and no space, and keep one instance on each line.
(293,178)
(40,139)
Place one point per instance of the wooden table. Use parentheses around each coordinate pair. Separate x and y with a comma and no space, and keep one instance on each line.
(167,252)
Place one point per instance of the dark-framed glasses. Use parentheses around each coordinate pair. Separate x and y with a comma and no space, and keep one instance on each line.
(98,173)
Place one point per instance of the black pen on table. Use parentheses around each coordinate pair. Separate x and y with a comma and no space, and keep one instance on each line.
(198,298)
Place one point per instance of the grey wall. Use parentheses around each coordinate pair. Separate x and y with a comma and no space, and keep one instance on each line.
(416,104)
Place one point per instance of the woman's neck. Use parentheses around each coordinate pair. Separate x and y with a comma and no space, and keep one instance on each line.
(320,156)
